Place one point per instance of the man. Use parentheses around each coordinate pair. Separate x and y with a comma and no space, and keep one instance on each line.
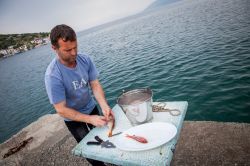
(68,80)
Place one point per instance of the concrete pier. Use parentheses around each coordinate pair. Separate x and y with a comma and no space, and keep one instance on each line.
(200,143)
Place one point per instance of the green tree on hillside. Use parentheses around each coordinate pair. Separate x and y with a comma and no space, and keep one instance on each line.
(17,40)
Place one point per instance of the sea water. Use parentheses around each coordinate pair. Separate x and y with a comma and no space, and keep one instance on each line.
(192,50)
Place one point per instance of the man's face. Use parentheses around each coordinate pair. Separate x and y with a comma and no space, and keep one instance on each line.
(67,51)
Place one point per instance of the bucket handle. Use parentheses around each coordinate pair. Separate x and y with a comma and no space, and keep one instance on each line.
(125,91)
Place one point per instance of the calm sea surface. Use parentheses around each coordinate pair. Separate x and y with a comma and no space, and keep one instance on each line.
(195,50)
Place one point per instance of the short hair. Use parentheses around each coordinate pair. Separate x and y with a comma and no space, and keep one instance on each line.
(62,31)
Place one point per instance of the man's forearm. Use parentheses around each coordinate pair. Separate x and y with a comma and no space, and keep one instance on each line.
(99,94)
(72,114)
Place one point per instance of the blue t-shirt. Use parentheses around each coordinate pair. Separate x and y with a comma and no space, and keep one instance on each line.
(71,84)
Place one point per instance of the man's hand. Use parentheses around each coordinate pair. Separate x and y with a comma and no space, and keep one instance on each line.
(97,121)
(108,113)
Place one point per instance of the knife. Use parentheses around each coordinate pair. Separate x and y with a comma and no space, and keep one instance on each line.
(116,134)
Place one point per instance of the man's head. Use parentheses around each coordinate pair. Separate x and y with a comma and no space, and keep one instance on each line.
(63,32)
(63,40)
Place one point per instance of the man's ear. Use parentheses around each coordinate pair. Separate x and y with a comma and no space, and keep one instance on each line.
(53,47)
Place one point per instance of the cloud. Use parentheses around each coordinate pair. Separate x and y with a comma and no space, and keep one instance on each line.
(19,16)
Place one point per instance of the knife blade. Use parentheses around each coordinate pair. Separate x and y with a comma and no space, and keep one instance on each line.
(116,134)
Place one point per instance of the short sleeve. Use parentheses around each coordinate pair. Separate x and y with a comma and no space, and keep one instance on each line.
(93,73)
(55,89)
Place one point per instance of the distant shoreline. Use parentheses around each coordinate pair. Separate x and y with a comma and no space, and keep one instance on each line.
(13,44)
(10,55)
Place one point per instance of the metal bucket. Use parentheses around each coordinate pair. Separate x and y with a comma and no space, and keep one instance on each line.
(137,105)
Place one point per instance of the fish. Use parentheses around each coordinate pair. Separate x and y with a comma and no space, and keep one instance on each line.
(111,126)
(138,138)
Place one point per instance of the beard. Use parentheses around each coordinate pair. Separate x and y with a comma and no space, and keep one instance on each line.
(71,59)
(68,60)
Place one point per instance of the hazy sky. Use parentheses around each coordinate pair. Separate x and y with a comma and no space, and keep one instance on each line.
(24,16)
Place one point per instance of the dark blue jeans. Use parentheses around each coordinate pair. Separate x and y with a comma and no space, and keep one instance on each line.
(80,129)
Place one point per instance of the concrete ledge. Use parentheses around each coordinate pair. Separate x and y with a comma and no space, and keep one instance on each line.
(200,143)
(213,143)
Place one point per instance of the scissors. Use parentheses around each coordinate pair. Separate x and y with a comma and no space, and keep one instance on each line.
(160,107)
(105,144)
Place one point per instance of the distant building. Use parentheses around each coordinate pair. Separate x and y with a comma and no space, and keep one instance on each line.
(3,52)
(11,50)
(46,40)
(23,48)
(37,41)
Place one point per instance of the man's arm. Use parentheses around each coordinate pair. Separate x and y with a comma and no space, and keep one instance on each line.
(100,97)
(74,115)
